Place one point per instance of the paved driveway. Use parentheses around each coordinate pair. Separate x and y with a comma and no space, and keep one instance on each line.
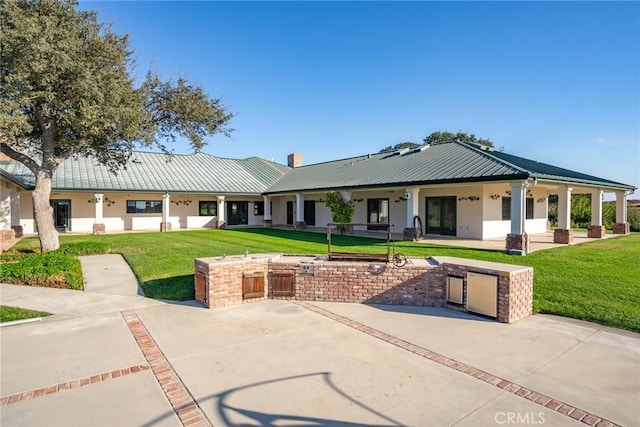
(136,362)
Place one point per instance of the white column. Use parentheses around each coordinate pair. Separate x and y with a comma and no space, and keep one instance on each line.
(221,211)
(299,207)
(413,205)
(621,207)
(5,208)
(564,208)
(15,209)
(267,208)
(518,207)
(165,209)
(99,215)
(596,208)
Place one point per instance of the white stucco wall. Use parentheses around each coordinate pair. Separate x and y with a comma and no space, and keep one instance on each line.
(494,227)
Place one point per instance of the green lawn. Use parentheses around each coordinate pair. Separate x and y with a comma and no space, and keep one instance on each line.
(9,314)
(597,281)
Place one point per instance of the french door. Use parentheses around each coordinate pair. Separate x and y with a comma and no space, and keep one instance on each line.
(441,215)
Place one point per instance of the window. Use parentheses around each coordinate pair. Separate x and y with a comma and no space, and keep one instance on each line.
(208,208)
(529,207)
(506,208)
(377,212)
(144,206)
(258,208)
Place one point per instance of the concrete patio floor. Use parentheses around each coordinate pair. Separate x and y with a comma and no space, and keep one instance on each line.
(269,363)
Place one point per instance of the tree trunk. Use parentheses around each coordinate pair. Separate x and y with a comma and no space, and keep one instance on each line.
(43,213)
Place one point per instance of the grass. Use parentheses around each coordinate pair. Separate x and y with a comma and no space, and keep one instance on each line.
(596,281)
(9,314)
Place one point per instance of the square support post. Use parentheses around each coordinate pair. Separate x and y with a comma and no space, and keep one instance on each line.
(517,242)
(621,226)
(563,234)
(596,229)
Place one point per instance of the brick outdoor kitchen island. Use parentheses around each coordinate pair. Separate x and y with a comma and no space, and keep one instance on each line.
(500,291)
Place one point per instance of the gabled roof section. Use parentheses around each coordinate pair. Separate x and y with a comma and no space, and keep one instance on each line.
(435,164)
(158,172)
(448,162)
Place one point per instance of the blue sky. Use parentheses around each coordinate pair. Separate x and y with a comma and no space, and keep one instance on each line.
(555,82)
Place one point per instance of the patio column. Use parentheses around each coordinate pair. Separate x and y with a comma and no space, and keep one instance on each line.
(410,232)
(621,226)
(596,229)
(98,222)
(300,224)
(165,225)
(563,234)
(221,221)
(518,241)
(15,213)
(267,222)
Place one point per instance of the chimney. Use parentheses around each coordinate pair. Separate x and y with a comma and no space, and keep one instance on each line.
(294,160)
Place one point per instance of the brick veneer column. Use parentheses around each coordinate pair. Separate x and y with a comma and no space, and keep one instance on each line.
(517,243)
(596,231)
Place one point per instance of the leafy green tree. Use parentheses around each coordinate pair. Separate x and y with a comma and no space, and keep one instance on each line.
(66,89)
(397,147)
(439,136)
(341,210)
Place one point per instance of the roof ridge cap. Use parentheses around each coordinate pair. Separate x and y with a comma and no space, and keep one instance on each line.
(491,156)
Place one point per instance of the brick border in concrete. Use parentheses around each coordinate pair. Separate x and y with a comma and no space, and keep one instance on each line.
(72,385)
(511,387)
(182,402)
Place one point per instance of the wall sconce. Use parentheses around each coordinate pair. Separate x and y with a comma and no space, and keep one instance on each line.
(358,200)
(494,196)
(508,192)
(541,200)
(320,200)
(469,198)
(107,201)
(181,202)
(401,199)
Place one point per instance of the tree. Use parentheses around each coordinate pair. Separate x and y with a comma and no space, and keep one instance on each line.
(436,137)
(341,210)
(397,147)
(66,89)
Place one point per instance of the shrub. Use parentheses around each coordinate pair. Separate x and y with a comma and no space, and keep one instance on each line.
(341,210)
(51,269)
(84,248)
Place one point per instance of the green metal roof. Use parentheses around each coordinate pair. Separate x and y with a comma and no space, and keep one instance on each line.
(451,162)
(158,172)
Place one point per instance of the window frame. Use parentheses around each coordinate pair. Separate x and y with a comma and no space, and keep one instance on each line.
(151,207)
(258,208)
(211,204)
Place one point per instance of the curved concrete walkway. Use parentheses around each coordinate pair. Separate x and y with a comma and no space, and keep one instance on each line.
(111,359)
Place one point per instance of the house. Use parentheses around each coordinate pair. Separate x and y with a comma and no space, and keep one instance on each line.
(453,188)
